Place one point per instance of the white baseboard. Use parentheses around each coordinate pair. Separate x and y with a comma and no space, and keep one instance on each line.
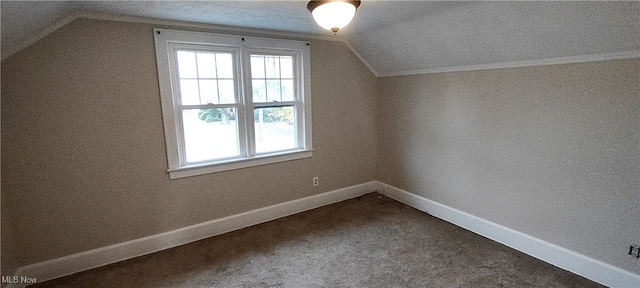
(571,261)
(566,259)
(70,264)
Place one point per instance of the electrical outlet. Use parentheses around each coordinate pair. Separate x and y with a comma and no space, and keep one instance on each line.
(315,181)
(634,251)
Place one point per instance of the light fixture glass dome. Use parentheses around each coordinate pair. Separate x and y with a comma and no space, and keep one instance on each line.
(333,15)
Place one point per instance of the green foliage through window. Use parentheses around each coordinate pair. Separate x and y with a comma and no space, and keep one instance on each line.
(216,115)
(280,114)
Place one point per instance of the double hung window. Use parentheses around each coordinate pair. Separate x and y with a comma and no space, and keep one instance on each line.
(231,102)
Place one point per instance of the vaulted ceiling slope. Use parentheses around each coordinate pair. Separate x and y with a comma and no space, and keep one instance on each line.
(391,37)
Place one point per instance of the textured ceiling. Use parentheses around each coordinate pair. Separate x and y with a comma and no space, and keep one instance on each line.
(437,35)
(391,37)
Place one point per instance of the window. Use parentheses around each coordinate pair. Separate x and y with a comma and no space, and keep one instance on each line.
(231,102)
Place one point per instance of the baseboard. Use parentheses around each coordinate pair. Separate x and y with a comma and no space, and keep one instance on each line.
(70,264)
(566,259)
(571,261)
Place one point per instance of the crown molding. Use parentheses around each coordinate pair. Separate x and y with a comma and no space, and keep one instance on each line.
(10,51)
(521,64)
(209,27)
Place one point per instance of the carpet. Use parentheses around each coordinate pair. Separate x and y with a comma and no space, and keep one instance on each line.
(370,241)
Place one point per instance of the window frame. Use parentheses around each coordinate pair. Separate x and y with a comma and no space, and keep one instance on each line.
(168,42)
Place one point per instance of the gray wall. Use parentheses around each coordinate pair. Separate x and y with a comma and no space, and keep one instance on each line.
(549,151)
(83,152)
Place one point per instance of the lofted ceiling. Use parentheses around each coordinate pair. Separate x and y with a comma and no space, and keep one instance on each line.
(391,37)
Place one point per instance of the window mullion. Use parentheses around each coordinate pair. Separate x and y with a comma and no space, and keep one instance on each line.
(215,60)
(280,75)
(274,104)
(179,121)
(206,106)
(299,101)
(247,105)
(182,158)
(198,77)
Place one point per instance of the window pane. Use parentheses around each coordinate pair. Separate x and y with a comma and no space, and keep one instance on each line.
(206,65)
(225,65)
(189,92)
(227,91)
(286,67)
(187,64)
(259,91)
(287,90)
(210,134)
(257,66)
(273,90)
(208,92)
(206,78)
(272,65)
(275,129)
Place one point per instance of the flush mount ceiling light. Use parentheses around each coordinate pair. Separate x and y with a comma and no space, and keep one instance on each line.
(333,15)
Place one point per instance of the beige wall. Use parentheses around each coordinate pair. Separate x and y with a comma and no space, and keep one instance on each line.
(83,154)
(549,151)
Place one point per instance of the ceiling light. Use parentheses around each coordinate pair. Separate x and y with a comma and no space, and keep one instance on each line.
(333,15)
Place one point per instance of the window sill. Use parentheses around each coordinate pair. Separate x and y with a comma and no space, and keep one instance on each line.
(201,169)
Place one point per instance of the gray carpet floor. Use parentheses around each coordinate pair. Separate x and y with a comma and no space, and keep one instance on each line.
(371,241)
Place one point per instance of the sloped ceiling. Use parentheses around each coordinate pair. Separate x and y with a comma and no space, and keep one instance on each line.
(391,37)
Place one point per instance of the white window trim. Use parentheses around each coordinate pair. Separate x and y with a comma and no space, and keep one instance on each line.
(164,38)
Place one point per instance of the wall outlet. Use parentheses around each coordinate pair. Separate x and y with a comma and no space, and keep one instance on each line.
(634,251)
(315,182)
